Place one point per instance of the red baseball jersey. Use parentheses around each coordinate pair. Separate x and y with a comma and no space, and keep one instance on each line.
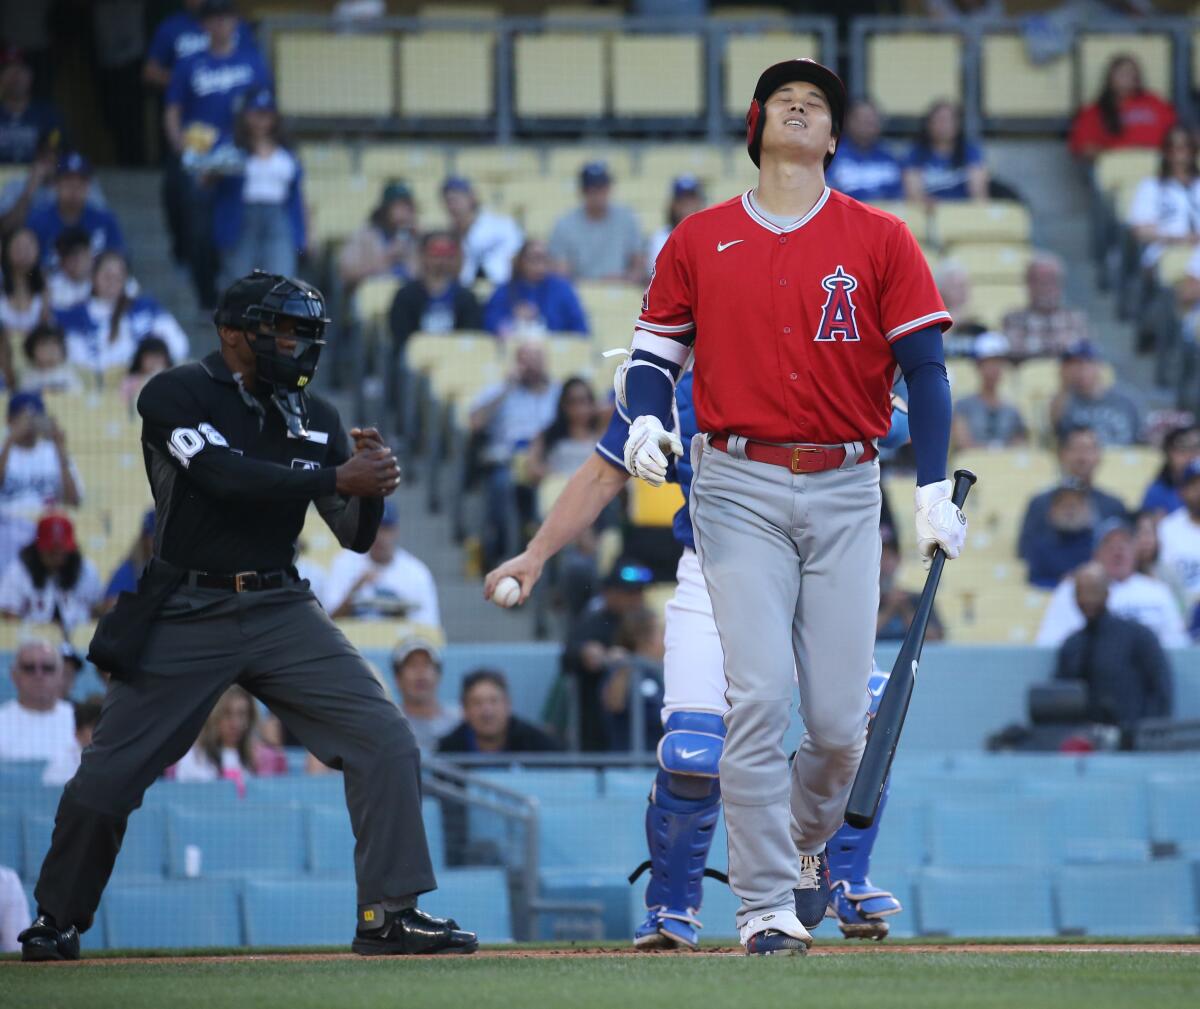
(792,327)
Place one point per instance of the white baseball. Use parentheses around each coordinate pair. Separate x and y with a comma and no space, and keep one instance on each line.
(507,592)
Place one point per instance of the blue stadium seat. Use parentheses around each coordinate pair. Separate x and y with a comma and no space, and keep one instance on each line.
(550,785)
(197,794)
(593,834)
(143,851)
(1086,851)
(994,832)
(1175,809)
(11,846)
(984,902)
(35,841)
(1015,766)
(299,912)
(901,843)
(305,789)
(175,914)
(628,783)
(20,775)
(238,841)
(477,898)
(1158,898)
(1095,809)
(607,888)
(330,841)
(1137,766)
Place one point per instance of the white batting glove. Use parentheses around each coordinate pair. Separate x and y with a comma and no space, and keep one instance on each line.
(939,522)
(646,448)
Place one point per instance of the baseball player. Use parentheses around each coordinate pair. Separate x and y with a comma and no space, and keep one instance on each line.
(685,799)
(236,448)
(798,304)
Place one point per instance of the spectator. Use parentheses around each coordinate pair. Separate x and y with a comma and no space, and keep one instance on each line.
(70,281)
(72,667)
(506,417)
(635,671)
(1084,400)
(417,667)
(1127,675)
(954,284)
(46,367)
(1179,543)
(1135,596)
(386,581)
(535,301)
(125,576)
(14,910)
(943,164)
(258,214)
(598,240)
(570,439)
(1045,326)
(1187,294)
(864,168)
(687,196)
(37,724)
(590,641)
(1180,447)
(24,120)
(1145,542)
(1166,207)
(179,36)
(104,332)
(50,581)
(986,419)
(71,209)
(229,746)
(1064,539)
(386,246)
(963,11)
(23,302)
(488,241)
(488,724)
(434,301)
(1125,114)
(897,606)
(152,356)
(62,766)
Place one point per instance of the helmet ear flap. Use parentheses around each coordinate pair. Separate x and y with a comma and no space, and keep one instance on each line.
(754,129)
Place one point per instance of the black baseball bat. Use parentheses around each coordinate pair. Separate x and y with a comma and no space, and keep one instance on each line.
(884,733)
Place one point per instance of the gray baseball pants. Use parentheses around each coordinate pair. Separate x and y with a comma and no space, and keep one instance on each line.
(792,566)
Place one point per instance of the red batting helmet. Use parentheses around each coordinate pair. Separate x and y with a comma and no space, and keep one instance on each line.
(802,69)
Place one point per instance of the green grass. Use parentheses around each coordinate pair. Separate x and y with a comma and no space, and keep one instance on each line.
(878,980)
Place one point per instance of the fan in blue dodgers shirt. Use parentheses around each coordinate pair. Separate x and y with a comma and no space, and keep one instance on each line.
(685,799)
(864,168)
(71,209)
(179,36)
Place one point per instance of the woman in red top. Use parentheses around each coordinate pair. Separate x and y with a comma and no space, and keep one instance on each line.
(1125,114)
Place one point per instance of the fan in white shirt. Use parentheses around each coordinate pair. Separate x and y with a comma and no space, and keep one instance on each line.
(38,724)
(489,241)
(1179,543)
(50,581)
(1135,596)
(1166,208)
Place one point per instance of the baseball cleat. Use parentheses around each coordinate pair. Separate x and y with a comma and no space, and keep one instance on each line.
(777,933)
(860,909)
(662,930)
(812,895)
(872,930)
(411,933)
(44,940)
(772,942)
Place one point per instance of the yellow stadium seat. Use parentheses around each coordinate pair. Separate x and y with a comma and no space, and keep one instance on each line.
(657,76)
(1128,471)
(459,11)
(338,207)
(991,603)
(331,160)
(537,203)
(425,351)
(447,75)
(320,74)
(653,506)
(570,356)
(991,302)
(657,596)
(382,635)
(612,310)
(992,262)
(663,162)
(747,56)
(1152,51)
(894,83)
(560,75)
(964,377)
(565,162)
(373,298)
(990,221)
(405,161)
(548,491)
(1008,478)
(751,13)
(1173,266)
(913,214)
(497,164)
(1115,169)
(1016,87)
(573,12)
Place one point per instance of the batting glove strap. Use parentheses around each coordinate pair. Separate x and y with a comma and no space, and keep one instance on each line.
(646,448)
(939,522)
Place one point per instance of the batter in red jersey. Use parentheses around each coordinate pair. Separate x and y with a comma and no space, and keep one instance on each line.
(799,303)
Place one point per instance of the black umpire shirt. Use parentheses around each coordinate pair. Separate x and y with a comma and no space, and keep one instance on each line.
(231,486)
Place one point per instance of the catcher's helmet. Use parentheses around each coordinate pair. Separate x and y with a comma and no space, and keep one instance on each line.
(775,77)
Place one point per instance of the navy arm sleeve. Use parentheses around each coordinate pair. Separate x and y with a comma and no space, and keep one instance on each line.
(923,363)
(648,390)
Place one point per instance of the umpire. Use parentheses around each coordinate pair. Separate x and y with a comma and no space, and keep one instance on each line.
(235,449)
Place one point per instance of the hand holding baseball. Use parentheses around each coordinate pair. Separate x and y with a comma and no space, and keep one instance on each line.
(511,583)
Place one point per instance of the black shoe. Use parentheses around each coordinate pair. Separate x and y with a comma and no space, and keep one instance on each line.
(44,940)
(812,896)
(412,932)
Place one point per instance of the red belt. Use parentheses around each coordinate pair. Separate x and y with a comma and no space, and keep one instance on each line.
(797,458)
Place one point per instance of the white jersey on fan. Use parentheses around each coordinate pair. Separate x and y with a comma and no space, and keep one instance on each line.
(1179,556)
(1147,600)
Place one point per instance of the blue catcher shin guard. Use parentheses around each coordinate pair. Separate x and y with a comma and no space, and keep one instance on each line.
(859,906)
(685,804)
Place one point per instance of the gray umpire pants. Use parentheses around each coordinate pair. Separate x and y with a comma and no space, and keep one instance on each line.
(791,562)
(283,648)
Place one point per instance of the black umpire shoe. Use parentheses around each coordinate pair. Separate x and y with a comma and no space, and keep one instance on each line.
(44,940)
(413,933)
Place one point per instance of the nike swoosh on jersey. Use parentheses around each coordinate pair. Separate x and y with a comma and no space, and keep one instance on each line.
(722,246)
(689,754)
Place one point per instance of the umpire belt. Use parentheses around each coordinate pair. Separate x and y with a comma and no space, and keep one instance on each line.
(243,581)
(797,458)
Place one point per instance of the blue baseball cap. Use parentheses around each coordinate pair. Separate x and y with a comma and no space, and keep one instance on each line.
(25,401)
(457,182)
(1082,350)
(594,175)
(1190,471)
(261,99)
(74,163)
(628,573)
(686,185)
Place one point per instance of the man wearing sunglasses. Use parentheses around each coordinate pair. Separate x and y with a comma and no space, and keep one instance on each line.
(38,724)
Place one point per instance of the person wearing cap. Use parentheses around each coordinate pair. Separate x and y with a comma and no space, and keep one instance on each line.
(534,301)
(488,240)
(685,198)
(71,209)
(1135,596)
(50,581)
(24,120)
(417,668)
(864,168)
(944,164)
(1179,545)
(1045,326)
(179,36)
(258,213)
(386,246)
(125,575)
(1085,398)
(599,239)
(435,300)
(37,724)
(986,419)
(386,581)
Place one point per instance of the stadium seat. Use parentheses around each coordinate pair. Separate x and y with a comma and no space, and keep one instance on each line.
(657,76)
(985,902)
(11,839)
(447,75)
(913,214)
(1128,471)
(1173,266)
(1015,87)
(991,302)
(296,789)
(1175,809)
(992,262)
(565,162)
(891,83)
(545,62)
(608,890)
(330,839)
(406,161)
(612,310)
(993,832)
(547,784)
(569,355)
(1152,50)
(497,165)
(478,898)
(325,159)
(20,775)
(459,11)
(627,782)
(608,835)
(324,74)
(299,912)
(903,842)
(663,162)
(654,507)
(245,840)
(1154,898)
(1088,851)
(373,298)
(747,55)
(143,850)
(340,206)
(172,914)
(1113,169)
(1094,810)
(991,221)
(554,13)
(196,794)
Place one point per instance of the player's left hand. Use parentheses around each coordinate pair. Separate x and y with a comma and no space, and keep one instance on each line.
(366,438)
(645,449)
(939,522)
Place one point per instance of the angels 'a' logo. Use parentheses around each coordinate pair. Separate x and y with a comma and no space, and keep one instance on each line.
(837,314)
